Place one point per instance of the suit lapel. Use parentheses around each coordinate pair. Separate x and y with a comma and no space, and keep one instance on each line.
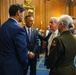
(26,34)
(32,34)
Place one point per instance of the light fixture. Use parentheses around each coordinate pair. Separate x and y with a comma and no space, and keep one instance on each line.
(73,2)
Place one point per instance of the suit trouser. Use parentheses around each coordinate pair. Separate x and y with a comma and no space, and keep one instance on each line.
(32,64)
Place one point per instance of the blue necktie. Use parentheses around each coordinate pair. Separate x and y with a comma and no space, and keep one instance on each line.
(29,34)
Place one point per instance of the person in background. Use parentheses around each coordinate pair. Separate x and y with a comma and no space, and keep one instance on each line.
(32,44)
(39,45)
(53,31)
(48,30)
(74,32)
(74,19)
(62,50)
(41,32)
(71,26)
(13,49)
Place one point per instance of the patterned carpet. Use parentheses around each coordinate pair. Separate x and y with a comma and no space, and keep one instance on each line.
(75,61)
(41,69)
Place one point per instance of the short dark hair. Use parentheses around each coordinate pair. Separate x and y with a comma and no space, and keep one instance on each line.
(14,8)
(27,16)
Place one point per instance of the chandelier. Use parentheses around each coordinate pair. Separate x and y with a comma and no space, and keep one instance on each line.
(70,0)
(73,2)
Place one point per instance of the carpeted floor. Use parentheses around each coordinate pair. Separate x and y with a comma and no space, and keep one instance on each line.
(41,69)
(75,61)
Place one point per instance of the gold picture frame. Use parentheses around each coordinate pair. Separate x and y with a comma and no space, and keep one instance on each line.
(29,10)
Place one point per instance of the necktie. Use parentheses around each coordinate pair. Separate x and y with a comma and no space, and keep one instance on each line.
(29,34)
(50,42)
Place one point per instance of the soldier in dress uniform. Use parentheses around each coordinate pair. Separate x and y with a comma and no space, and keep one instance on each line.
(63,50)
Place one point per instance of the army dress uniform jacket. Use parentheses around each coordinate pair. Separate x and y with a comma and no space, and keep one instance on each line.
(62,53)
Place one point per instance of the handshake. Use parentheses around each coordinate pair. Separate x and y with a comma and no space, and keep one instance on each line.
(31,55)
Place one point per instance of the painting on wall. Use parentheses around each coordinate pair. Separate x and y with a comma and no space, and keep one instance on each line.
(29,10)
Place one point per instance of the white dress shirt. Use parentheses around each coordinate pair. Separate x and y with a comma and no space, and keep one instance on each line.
(27,29)
(53,35)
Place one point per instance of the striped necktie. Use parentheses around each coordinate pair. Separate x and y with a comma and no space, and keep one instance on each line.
(29,34)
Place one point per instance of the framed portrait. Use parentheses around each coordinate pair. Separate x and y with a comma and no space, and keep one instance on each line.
(30,10)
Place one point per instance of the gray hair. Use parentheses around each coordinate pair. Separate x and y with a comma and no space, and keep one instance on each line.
(66,20)
(55,19)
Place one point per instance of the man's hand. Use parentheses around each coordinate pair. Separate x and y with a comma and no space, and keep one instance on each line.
(31,55)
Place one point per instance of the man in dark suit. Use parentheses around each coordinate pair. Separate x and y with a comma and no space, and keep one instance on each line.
(13,50)
(32,44)
(63,50)
(53,30)
(45,38)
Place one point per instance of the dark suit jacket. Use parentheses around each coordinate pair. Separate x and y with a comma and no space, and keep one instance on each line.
(13,50)
(45,38)
(33,44)
(62,53)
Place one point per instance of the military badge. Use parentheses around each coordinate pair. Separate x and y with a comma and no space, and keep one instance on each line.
(54,42)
